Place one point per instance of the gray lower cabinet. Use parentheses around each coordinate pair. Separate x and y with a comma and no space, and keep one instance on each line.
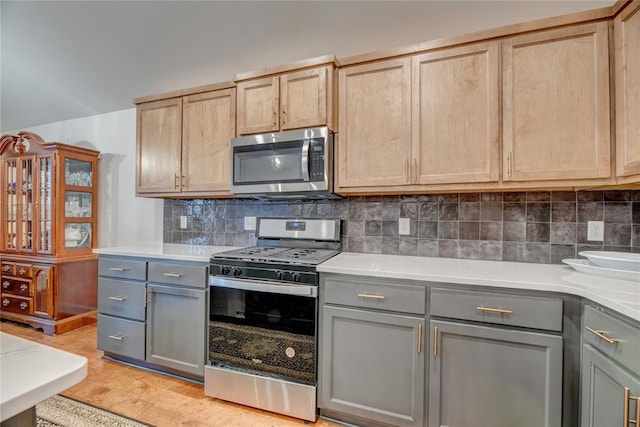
(487,376)
(610,365)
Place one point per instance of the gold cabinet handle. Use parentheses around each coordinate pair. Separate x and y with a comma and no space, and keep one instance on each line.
(176,184)
(435,341)
(118,337)
(625,415)
(419,338)
(118,269)
(380,297)
(118,298)
(494,310)
(415,171)
(600,334)
(172,275)
(407,171)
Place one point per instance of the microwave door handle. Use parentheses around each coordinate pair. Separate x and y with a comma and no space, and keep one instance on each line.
(305,160)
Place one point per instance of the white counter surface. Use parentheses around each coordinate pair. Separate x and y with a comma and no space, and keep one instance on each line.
(166,251)
(32,372)
(619,295)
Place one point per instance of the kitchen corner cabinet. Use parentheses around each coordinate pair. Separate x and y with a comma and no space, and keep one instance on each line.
(423,120)
(556,105)
(372,354)
(292,100)
(626,33)
(183,144)
(153,313)
(610,371)
(48,232)
(505,376)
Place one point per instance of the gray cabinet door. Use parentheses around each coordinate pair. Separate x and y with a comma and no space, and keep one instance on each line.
(176,324)
(603,384)
(488,376)
(372,365)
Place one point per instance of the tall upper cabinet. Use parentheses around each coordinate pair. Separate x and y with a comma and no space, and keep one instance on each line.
(293,96)
(183,142)
(626,34)
(556,104)
(48,232)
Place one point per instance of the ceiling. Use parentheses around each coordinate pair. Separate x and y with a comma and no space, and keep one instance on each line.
(67,59)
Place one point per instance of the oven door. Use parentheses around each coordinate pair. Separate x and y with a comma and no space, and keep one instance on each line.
(264,328)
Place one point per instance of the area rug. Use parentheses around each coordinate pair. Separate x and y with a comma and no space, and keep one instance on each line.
(59,411)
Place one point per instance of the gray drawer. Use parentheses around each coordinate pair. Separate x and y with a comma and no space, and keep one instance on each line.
(625,347)
(122,268)
(121,298)
(525,311)
(121,336)
(176,274)
(356,293)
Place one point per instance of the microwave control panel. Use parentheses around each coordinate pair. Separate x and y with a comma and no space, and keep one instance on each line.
(316,163)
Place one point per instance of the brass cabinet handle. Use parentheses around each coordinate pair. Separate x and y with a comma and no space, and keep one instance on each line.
(415,171)
(494,310)
(625,415)
(6,284)
(435,341)
(407,170)
(23,287)
(176,185)
(118,337)
(172,274)
(118,298)
(380,297)
(600,334)
(118,269)
(419,338)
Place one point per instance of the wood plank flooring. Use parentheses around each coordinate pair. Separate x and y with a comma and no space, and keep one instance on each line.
(147,396)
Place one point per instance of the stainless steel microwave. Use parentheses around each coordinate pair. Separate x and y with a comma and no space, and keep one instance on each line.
(291,164)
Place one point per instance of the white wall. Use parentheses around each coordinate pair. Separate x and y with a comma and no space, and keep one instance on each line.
(123,218)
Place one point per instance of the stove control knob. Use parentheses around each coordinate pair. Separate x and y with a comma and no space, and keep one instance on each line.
(295,277)
(225,270)
(280,275)
(237,271)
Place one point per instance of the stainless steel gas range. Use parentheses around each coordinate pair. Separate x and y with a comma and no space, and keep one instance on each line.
(263,315)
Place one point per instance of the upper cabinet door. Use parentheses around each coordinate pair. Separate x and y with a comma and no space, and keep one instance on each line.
(627,77)
(159,141)
(208,126)
(456,121)
(303,98)
(556,105)
(258,106)
(375,124)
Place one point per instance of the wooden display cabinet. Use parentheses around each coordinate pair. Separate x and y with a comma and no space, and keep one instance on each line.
(47,233)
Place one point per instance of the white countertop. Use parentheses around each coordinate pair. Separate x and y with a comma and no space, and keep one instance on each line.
(32,372)
(166,251)
(619,295)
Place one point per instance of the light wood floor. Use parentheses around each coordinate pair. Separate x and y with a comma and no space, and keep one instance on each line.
(146,396)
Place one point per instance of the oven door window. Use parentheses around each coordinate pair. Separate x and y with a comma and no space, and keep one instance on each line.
(264,333)
(268,163)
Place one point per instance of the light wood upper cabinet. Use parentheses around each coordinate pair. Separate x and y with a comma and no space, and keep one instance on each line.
(374,147)
(292,100)
(208,126)
(556,105)
(159,134)
(183,144)
(627,78)
(456,122)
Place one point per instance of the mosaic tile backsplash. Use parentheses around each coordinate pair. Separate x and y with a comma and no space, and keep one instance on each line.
(537,227)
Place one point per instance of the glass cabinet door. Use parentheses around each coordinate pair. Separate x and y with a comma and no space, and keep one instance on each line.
(78,204)
(11,204)
(20,203)
(45,189)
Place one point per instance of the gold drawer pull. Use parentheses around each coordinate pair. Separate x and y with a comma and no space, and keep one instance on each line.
(626,421)
(494,310)
(6,284)
(118,298)
(380,297)
(118,337)
(419,338)
(600,334)
(118,269)
(435,341)
(172,274)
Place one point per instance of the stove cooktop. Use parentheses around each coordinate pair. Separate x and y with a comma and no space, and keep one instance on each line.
(273,254)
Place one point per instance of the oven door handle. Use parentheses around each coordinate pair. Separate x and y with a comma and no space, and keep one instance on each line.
(264,286)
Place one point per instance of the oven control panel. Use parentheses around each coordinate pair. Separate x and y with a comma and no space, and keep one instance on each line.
(289,273)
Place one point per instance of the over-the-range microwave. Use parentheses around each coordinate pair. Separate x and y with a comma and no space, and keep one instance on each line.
(284,165)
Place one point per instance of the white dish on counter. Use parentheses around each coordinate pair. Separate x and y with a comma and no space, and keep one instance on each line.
(617,260)
(585,266)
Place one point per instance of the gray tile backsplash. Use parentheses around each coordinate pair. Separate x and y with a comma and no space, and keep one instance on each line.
(538,227)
